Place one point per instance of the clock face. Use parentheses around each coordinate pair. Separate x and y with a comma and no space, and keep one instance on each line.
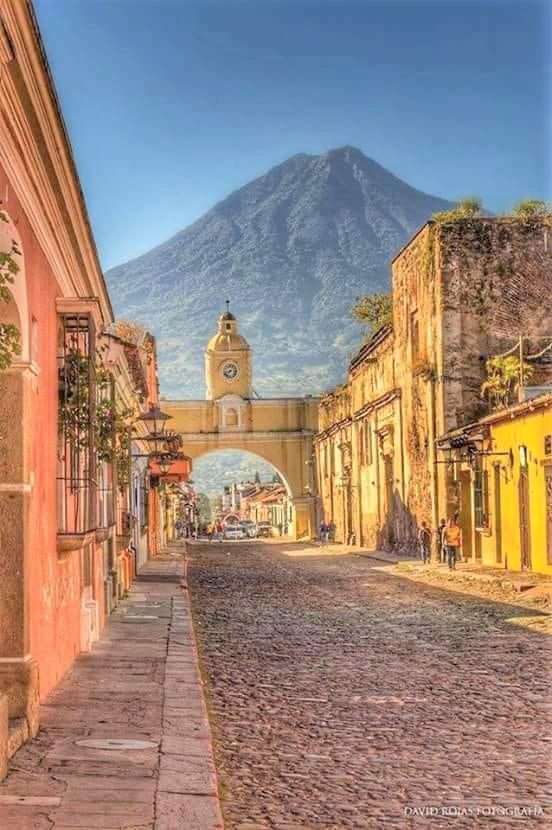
(230,371)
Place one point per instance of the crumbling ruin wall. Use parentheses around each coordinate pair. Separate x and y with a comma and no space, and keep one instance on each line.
(417,339)
(496,284)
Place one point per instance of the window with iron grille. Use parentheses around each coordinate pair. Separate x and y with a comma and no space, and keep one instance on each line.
(76,479)
(481,497)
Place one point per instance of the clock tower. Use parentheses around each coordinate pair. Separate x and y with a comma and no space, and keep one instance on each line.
(228,361)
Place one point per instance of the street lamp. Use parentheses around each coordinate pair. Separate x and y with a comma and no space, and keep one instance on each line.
(164,462)
(157,444)
(155,420)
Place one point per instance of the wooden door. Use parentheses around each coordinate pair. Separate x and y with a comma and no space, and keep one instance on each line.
(524,520)
(389,512)
(466,513)
(497,515)
(548,484)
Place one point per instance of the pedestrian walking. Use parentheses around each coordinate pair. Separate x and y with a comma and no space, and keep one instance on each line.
(220,532)
(424,543)
(323,532)
(331,530)
(210,531)
(439,543)
(452,538)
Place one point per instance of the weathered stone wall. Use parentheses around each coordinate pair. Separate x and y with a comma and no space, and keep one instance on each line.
(462,292)
(496,282)
(417,330)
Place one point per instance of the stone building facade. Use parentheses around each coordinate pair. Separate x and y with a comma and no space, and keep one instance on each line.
(463,291)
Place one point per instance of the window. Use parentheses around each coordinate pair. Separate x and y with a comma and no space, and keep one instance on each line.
(76,488)
(367,443)
(361,446)
(481,497)
(415,334)
(231,418)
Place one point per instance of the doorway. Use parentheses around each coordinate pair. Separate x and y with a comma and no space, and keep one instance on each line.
(389,512)
(548,485)
(466,513)
(497,515)
(524,520)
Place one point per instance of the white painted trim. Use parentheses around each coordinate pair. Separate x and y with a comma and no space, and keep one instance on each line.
(15,487)
(26,659)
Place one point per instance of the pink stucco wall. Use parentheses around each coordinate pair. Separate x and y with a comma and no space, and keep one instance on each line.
(53,585)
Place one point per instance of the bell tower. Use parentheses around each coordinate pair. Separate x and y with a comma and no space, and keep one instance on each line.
(228,360)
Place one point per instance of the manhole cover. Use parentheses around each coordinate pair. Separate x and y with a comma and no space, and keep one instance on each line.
(116,743)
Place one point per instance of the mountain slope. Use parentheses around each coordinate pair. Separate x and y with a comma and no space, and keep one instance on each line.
(291,250)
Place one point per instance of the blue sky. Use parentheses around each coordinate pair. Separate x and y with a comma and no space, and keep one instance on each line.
(172,104)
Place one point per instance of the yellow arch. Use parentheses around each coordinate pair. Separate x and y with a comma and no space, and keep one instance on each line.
(279,431)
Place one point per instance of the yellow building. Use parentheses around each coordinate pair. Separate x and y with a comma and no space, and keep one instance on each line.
(278,430)
(502,475)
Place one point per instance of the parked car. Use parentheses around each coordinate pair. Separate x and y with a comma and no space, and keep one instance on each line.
(264,529)
(234,532)
(249,529)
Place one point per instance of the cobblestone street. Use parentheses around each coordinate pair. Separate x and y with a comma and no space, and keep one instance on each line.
(344,697)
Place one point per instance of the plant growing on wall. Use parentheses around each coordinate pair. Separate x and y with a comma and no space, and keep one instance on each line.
(74,406)
(122,456)
(10,342)
(533,209)
(111,418)
(374,311)
(464,209)
(503,378)
(131,331)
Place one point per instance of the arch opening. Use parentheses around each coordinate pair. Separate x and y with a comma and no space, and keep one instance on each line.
(235,466)
(243,487)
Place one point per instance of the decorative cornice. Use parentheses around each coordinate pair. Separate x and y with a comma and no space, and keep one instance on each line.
(15,487)
(246,437)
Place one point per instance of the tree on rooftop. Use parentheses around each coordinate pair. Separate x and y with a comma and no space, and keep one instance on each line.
(374,311)
(131,331)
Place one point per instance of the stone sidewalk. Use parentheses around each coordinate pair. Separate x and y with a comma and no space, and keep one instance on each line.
(141,685)
(520,580)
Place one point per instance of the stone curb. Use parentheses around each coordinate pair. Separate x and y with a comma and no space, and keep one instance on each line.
(187,794)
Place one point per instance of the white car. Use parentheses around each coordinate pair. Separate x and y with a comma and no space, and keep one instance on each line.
(233,532)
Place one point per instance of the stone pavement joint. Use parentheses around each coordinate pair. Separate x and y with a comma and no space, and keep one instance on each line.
(141,682)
